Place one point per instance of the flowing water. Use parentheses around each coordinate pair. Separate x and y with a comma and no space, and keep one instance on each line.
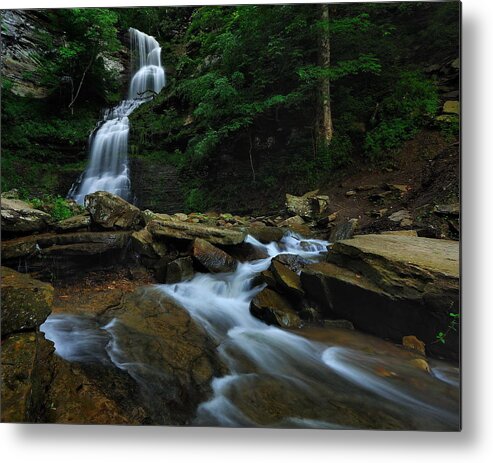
(108,144)
(320,378)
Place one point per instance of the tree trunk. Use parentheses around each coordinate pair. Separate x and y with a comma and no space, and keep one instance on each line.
(325,122)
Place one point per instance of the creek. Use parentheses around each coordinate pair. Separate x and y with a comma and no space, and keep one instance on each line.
(313,377)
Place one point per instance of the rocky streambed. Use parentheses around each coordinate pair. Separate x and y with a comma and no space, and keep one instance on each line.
(126,316)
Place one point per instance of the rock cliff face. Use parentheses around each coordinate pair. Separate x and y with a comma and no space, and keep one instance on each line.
(22,45)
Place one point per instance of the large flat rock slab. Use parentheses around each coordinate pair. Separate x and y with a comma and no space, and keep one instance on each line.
(191,231)
(391,286)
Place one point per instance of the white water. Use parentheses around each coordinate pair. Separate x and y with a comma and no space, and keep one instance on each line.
(278,378)
(108,144)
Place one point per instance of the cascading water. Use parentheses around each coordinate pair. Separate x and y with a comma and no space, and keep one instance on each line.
(280,378)
(108,164)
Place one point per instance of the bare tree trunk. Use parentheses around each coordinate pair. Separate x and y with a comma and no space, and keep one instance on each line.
(326,128)
(251,158)
(80,85)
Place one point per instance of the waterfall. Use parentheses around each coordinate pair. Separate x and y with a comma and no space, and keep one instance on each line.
(108,144)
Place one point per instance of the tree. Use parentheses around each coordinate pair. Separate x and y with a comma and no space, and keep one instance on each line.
(325,123)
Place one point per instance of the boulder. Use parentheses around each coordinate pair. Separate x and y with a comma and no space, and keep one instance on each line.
(78,222)
(171,357)
(293,261)
(287,280)
(403,217)
(19,217)
(190,231)
(307,206)
(26,302)
(274,309)
(215,260)
(413,343)
(143,243)
(110,211)
(343,231)
(447,210)
(391,286)
(266,234)
(179,270)
(295,220)
(24,360)
(451,107)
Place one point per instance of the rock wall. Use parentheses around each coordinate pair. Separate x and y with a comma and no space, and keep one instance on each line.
(156,185)
(21,45)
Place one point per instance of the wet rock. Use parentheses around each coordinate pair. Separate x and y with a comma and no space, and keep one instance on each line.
(292,261)
(190,231)
(143,243)
(344,324)
(420,364)
(343,231)
(287,280)
(245,252)
(26,302)
(413,343)
(170,356)
(266,234)
(274,309)
(19,248)
(78,222)
(67,254)
(215,260)
(350,193)
(19,217)
(391,285)
(180,269)
(110,211)
(23,379)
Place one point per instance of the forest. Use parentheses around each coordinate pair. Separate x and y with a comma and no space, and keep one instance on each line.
(235,216)
(242,106)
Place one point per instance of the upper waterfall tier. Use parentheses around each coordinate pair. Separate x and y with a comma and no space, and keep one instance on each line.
(108,169)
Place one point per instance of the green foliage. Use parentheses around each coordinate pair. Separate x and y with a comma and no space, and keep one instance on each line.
(59,208)
(452,326)
(413,102)
(196,200)
(89,36)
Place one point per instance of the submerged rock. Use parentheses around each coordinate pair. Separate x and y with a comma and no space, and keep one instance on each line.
(110,211)
(274,309)
(26,302)
(19,217)
(212,258)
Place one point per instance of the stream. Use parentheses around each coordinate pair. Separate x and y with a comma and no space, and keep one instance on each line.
(313,377)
